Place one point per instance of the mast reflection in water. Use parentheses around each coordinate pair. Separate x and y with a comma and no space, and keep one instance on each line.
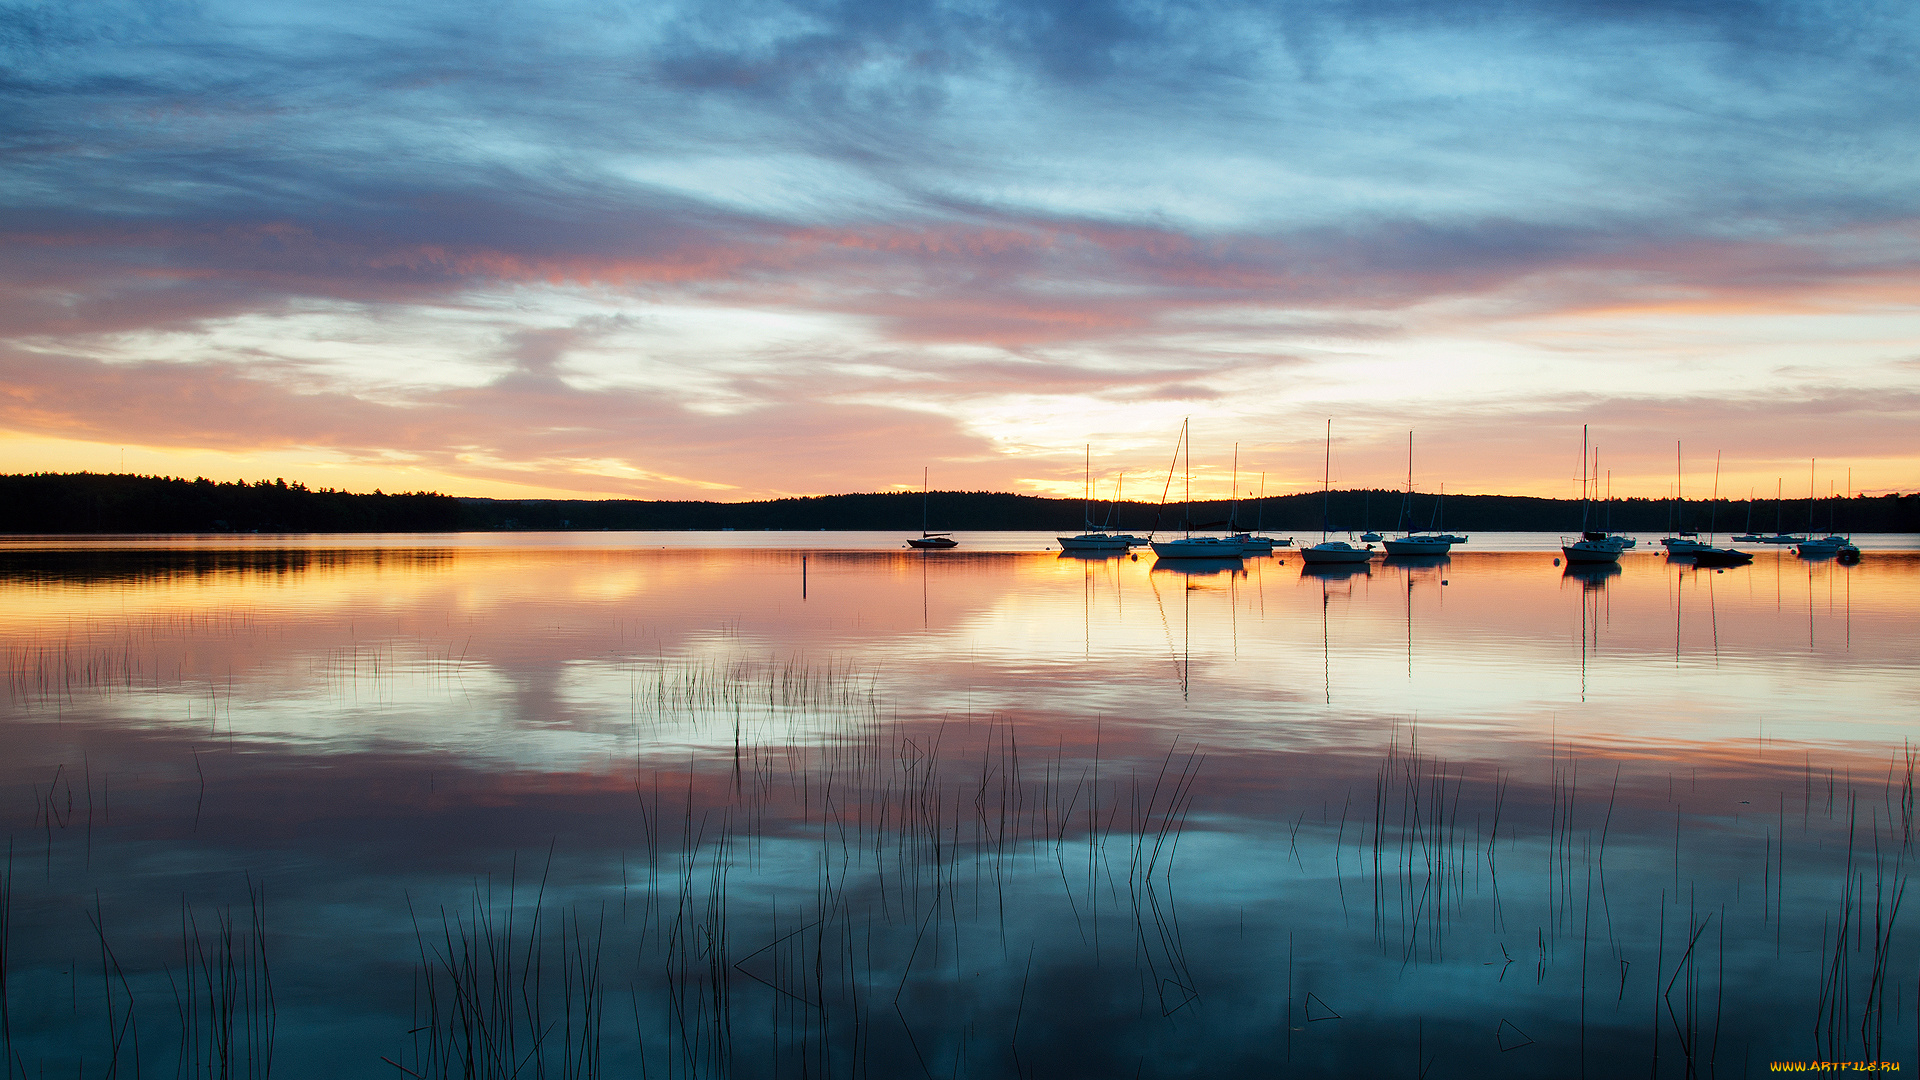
(485,810)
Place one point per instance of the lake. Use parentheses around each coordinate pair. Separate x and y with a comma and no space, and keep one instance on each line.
(768,804)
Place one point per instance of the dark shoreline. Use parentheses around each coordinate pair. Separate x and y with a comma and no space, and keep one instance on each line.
(95,504)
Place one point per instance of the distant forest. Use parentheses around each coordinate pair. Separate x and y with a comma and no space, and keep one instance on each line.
(113,503)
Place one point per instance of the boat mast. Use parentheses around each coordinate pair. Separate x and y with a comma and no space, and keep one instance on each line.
(1167,487)
(1713,504)
(1406,500)
(1326,489)
(1086,490)
(1583,478)
(1679,496)
(923,502)
(1810,494)
(1233,508)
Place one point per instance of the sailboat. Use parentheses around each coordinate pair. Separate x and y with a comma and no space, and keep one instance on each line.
(1093,539)
(1826,546)
(1409,543)
(1780,535)
(1749,537)
(1711,555)
(1332,552)
(1592,547)
(1685,540)
(1440,518)
(929,540)
(1190,546)
(1254,542)
(1619,540)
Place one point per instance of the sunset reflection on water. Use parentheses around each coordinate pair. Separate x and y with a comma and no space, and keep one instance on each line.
(364,727)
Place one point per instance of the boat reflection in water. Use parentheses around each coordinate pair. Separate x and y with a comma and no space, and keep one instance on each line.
(791,812)
(1415,560)
(1199,567)
(1591,575)
(1335,571)
(1094,554)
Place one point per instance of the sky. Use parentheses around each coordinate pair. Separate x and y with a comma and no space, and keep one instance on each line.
(760,249)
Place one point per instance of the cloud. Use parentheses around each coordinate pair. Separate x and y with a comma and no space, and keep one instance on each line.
(528,426)
(930,213)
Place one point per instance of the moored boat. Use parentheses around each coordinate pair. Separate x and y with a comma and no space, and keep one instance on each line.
(1198,547)
(1332,552)
(1190,546)
(929,541)
(1594,545)
(1719,556)
(1411,543)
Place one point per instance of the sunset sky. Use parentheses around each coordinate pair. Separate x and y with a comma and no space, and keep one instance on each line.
(744,250)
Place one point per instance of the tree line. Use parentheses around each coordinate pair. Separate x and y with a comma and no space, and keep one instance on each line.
(96,503)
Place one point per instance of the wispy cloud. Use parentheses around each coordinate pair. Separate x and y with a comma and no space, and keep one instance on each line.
(682,240)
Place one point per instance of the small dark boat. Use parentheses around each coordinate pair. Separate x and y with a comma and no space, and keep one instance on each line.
(1718,556)
(929,540)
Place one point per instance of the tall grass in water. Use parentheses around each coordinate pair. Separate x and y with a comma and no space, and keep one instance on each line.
(224,995)
(488,1000)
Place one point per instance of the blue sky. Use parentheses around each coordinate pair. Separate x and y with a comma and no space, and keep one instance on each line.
(773,248)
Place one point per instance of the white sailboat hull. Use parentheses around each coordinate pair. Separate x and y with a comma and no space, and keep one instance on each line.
(1197,547)
(1418,545)
(1094,542)
(1335,552)
(1589,551)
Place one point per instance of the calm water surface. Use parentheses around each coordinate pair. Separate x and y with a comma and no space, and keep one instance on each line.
(797,804)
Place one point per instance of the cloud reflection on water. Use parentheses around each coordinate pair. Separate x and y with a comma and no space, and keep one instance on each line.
(920,736)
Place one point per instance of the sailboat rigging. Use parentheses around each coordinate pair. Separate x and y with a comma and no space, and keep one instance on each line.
(1190,546)
(929,540)
(1593,546)
(1095,538)
(1332,552)
(1409,543)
